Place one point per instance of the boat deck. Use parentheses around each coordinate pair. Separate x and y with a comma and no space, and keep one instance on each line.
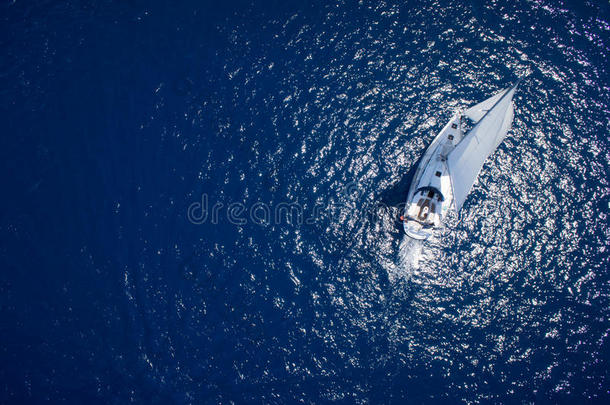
(425,210)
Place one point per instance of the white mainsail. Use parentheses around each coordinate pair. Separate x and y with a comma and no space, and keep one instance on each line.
(493,118)
(476,112)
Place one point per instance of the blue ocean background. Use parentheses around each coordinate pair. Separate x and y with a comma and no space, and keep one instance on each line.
(120,117)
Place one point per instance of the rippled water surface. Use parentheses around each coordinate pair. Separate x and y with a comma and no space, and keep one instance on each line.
(120,117)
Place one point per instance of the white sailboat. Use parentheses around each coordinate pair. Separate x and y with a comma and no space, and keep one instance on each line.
(453,161)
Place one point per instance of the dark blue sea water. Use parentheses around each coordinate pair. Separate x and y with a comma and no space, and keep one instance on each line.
(125,123)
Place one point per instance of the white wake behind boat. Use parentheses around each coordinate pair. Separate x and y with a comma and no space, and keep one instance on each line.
(453,161)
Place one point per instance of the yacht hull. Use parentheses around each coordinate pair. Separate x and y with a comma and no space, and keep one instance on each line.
(453,161)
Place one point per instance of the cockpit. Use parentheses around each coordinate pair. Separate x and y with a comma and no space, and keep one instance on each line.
(424,212)
(427,203)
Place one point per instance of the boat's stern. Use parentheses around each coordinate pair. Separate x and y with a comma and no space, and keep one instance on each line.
(422,213)
(416,230)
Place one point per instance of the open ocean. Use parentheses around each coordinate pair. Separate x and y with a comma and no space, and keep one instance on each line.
(199,203)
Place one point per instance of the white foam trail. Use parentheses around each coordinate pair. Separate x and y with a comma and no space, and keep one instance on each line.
(407,262)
